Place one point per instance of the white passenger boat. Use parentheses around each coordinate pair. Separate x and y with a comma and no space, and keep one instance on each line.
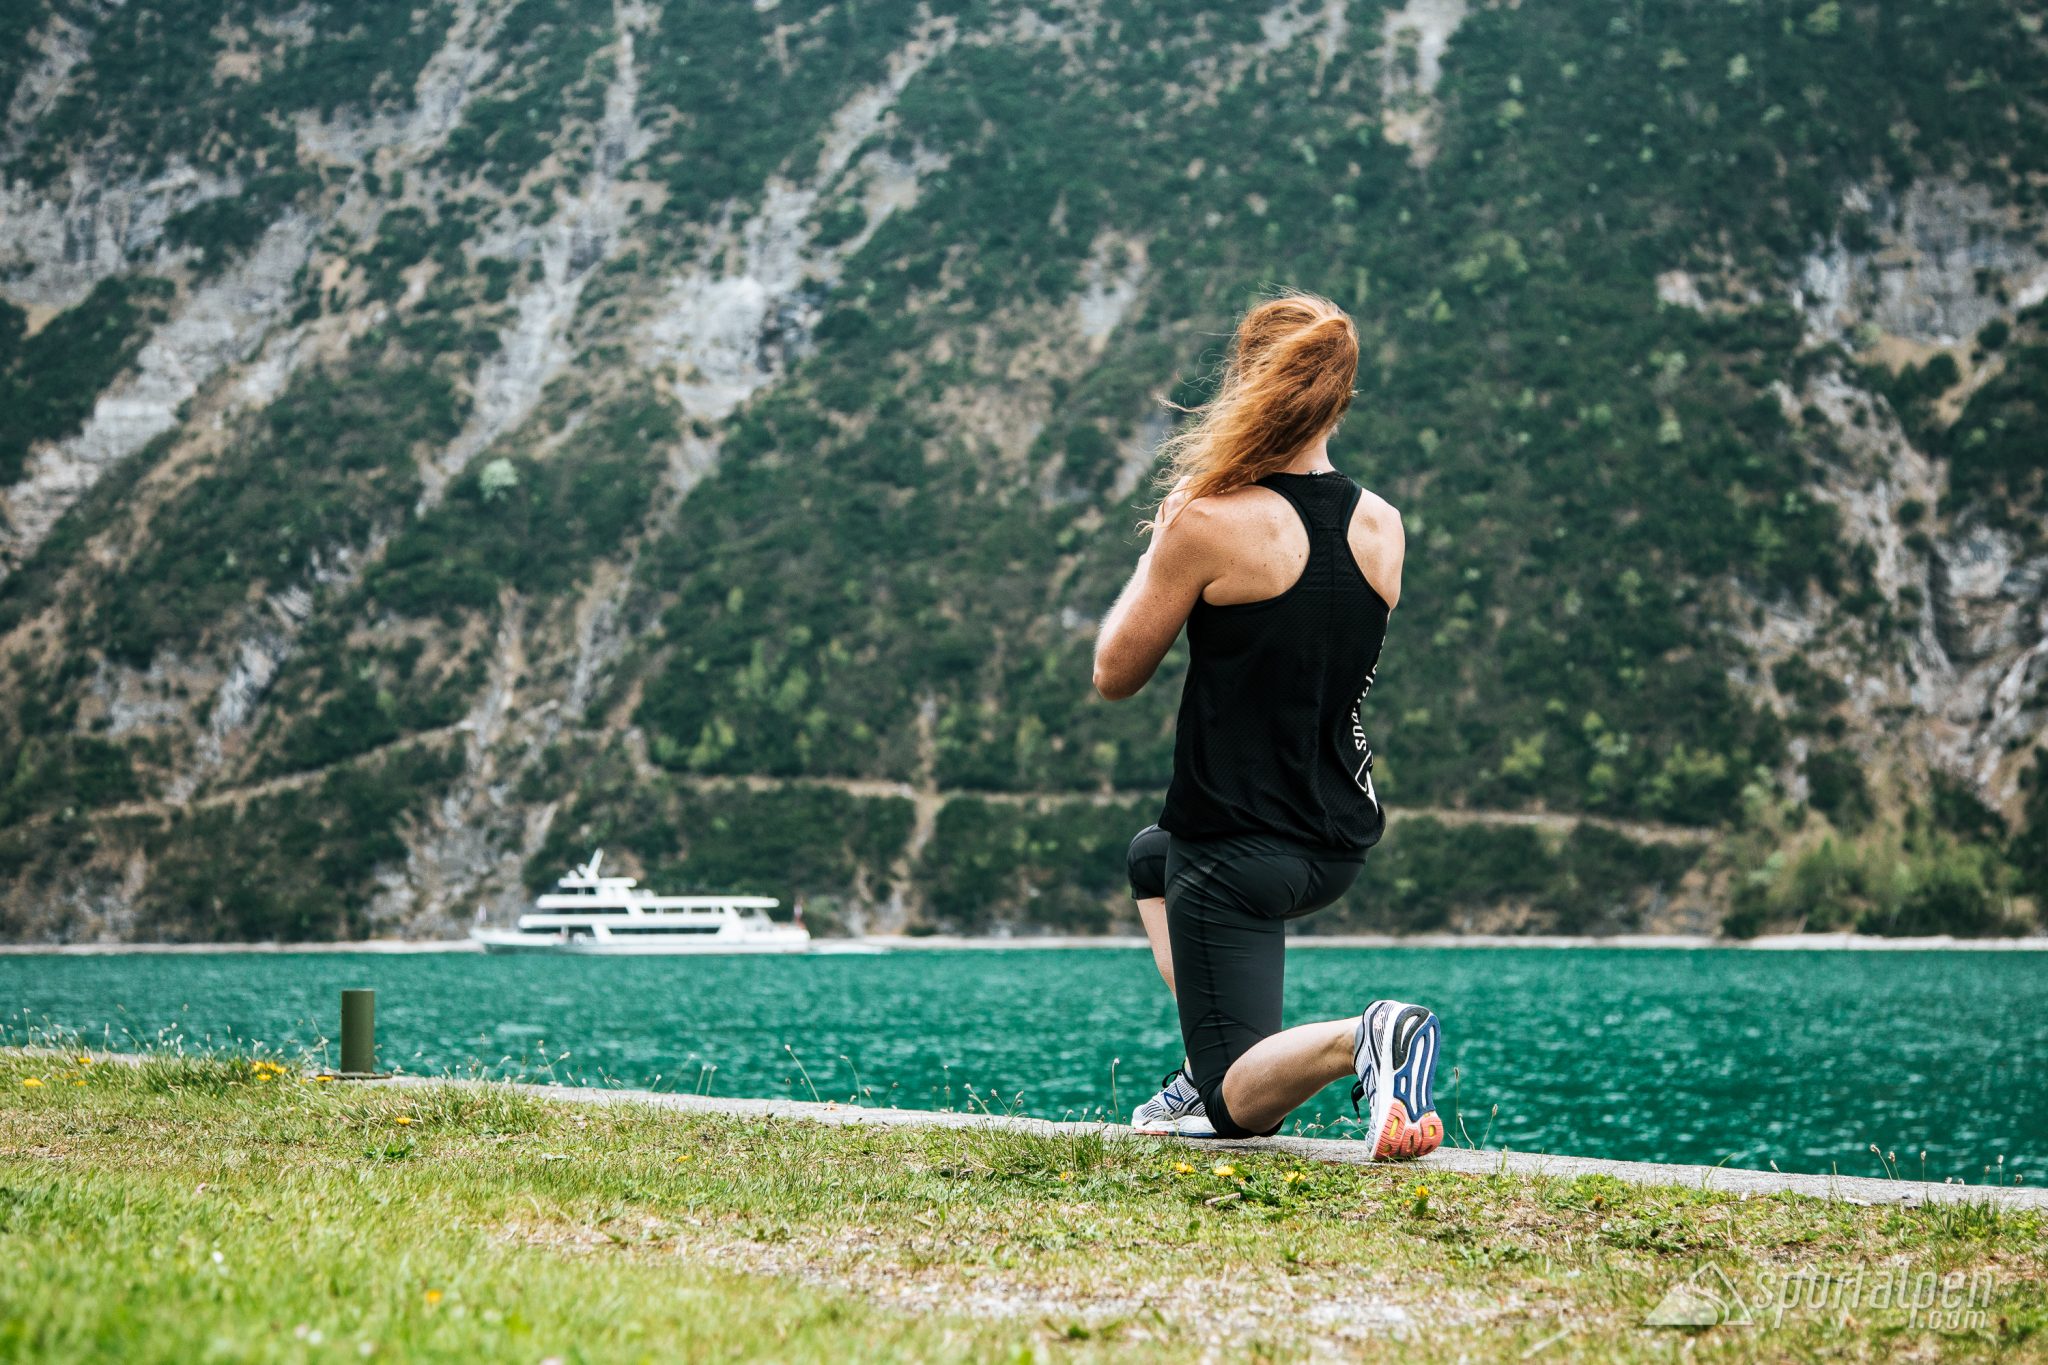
(611,916)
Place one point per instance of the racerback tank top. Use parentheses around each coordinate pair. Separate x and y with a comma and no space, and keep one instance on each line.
(1270,738)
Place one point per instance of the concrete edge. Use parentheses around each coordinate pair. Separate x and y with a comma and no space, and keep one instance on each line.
(1848,1189)
(1458,1160)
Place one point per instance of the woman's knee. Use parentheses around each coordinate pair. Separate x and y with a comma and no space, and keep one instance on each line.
(1146,863)
(1226,1123)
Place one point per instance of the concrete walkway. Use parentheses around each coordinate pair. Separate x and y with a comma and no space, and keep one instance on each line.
(1464,1161)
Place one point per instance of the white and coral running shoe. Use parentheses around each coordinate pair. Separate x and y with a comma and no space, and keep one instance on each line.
(1394,1053)
(1176,1111)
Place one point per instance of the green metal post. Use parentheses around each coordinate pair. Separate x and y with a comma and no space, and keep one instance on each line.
(358,1033)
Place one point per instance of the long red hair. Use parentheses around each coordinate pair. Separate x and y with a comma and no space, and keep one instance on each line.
(1286,381)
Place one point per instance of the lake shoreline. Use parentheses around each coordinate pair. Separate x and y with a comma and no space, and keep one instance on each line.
(827,947)
(1078,1034)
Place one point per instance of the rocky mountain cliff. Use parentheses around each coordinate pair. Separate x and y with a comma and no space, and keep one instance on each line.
(438,438)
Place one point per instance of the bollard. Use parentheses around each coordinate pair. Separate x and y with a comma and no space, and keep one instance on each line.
(358,1033)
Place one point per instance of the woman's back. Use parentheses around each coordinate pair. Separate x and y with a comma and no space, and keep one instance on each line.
(1271,737)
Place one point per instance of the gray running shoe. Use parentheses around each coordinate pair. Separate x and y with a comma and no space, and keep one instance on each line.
(1176,1111)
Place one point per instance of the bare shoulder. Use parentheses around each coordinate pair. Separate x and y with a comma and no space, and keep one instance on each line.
(1192,539)
(1223,519)
(1376,526)
(1377,515)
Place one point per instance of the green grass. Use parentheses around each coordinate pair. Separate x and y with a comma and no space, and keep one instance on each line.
(215,1208)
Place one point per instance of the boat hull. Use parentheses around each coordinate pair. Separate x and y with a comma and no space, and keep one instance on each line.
(512,941)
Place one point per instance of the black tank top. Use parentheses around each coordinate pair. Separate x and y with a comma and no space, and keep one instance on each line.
(1271,739)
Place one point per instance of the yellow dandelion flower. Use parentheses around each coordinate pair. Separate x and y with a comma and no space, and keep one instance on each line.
(78,1082)
(402,1121)
(1182,1168)
(433,1297)
(1224,1169)
(1422,1191)
(85,1061)
(31,1082)
(1066,1175)
(1294,1177)
(681,1159)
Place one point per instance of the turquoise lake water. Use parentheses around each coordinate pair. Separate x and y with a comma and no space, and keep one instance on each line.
(1802,1058)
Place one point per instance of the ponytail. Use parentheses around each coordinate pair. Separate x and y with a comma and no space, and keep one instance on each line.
(1286,382)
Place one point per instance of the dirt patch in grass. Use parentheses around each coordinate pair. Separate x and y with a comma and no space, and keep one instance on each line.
(1320,1309)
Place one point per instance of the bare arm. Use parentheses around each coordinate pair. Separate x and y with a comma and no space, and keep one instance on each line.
(1154,605)
(1386,548)
(1397,557)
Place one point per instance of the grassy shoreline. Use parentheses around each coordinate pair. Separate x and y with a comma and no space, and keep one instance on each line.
(212,1207)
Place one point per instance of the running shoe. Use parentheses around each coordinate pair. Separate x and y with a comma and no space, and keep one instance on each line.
(1176,1111)
(1394,1053)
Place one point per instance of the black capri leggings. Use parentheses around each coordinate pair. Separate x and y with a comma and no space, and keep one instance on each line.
(1227,906)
